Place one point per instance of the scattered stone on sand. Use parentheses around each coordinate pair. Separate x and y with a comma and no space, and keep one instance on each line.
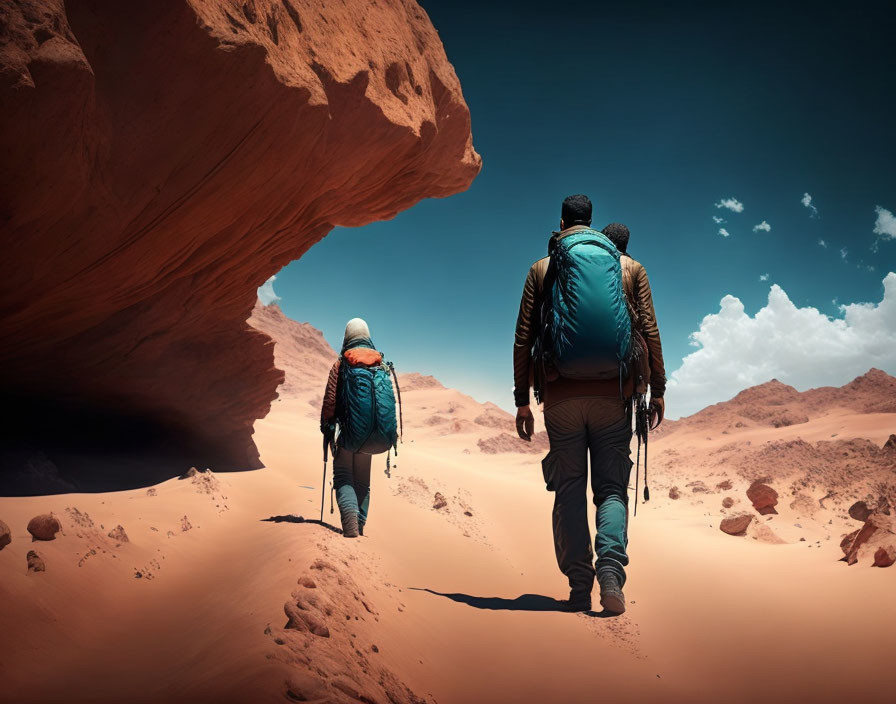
(79,519)
(885,555)
(764,498)
(674,493)
(303,686)
(847,541)
(468,513)
(5,535)
(862,536)
(698,487)
(890,444)
(185,524)
(439,502)
(859,511)
(190,473)
(35,562)
(307,582)
(736,525)
(350,688)
(117,534)
(724,485)
(44,527)
(727,502)
(151,491)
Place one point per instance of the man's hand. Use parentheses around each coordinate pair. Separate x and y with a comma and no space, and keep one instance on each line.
(655,412)
(326,428)
(525,423)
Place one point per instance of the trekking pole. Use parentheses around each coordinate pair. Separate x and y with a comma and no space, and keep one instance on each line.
(323,482)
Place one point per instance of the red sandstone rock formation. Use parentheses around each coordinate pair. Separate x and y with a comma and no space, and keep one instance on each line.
(44,527)
(736,525)
(778,405)
(162,160)
(763,497)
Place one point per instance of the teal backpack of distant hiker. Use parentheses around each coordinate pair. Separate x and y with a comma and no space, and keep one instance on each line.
(585,328)
(365,403)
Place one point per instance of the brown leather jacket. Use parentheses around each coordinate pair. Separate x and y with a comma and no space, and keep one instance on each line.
(328,407)
(649,369)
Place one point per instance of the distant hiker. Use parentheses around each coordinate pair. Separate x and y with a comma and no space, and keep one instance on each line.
(359,400)
(637,291)
(587,340)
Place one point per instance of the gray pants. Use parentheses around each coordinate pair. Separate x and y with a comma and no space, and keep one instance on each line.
(351,479)
(601,427)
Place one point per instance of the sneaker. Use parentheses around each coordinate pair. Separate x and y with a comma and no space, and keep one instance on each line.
(611,597)
(350,525)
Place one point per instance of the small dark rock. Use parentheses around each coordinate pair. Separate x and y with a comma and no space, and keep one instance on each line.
(5,535)
(439,501)
(859,511)
(885,556)
(118,534)
(35,562)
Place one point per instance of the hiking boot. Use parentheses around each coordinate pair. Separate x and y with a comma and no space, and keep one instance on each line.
(350,525)
(611,597)
(579,600)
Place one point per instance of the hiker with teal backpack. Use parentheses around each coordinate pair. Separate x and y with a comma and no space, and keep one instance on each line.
(358,420)
(586,339)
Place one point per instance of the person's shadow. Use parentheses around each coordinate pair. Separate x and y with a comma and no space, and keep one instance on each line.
(524,602)
(289,518)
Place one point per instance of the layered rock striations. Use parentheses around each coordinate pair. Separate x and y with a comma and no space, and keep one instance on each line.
(162,160)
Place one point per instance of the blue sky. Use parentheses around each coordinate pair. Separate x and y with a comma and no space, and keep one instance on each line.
(658,114)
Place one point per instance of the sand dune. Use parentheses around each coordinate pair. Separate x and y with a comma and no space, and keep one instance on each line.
(453,593)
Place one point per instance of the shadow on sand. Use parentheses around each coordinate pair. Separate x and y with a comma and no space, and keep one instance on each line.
(524,602)
(299,519)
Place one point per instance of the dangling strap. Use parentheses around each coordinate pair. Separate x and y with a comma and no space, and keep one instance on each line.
(398,389)
(332,491)
(389,463)
(646,490)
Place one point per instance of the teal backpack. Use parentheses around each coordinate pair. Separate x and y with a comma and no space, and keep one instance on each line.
(365,405)
(586,329)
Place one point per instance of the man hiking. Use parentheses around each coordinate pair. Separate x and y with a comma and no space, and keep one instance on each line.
(359,400)
(587,339)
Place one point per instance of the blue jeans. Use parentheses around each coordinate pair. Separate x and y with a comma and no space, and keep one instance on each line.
(601,427)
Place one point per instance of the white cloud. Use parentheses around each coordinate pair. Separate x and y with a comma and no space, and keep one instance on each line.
(763,277)
(799,346)
(806,200)
(885,226)
(843,252)
(717,220)
(732,204)
(723,232)
(822,243)
(764,226)
(266,292)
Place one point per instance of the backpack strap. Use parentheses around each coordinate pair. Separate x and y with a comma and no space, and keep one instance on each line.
(398,389)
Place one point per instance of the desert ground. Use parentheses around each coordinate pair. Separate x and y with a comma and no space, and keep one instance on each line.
(226,588)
